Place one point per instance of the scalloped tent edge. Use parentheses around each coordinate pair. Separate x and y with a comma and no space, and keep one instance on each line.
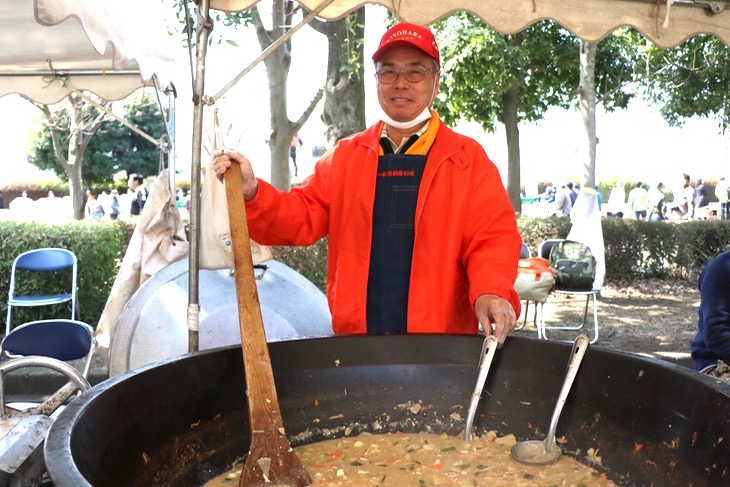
(666,25)
(51,47)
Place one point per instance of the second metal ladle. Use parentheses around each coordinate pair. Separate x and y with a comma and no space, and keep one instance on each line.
(544,452)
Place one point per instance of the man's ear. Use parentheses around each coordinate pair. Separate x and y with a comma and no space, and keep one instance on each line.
(437,82)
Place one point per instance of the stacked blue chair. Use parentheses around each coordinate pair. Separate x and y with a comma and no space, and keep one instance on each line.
(41,260)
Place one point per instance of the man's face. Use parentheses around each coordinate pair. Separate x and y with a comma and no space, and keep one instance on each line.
(404,100)
(133,183)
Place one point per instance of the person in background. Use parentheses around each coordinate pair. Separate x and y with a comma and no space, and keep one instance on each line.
(2,204)
(657,203)
(549,195)
(573,192)
(138,192)
(94,208)
(711,346)
(722,192)
(563,201)
(114,213)
(422,235)
(296,142)
(546,202)
(687,199)
(700,201)
(639,200)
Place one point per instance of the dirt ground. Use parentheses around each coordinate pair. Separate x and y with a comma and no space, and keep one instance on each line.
(653,318)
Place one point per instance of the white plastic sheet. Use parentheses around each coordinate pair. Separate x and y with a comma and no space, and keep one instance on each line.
(586,228)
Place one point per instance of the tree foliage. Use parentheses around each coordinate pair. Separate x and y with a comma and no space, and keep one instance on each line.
(692,79)
(58,119)
(114,148)
(492,78)
(480,65)
(186,14)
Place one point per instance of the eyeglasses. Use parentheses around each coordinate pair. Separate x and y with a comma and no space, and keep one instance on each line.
(414,74)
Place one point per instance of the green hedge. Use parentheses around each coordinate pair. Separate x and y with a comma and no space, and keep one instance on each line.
(637,249)
(634,249)
(311,261)
(99,248)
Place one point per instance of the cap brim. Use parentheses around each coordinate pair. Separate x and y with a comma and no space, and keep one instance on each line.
(387,47)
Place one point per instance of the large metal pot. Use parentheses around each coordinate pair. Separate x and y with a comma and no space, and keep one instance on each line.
(183,421)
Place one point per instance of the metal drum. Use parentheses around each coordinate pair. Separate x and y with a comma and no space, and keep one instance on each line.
(153,325)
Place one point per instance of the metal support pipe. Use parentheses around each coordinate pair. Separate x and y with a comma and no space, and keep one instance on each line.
(195,186)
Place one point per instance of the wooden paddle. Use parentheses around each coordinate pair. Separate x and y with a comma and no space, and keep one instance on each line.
(270,460)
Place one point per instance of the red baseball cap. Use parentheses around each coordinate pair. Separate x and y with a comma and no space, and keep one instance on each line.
(406,34)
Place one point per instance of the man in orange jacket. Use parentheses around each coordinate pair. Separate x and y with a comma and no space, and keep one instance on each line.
(422,235)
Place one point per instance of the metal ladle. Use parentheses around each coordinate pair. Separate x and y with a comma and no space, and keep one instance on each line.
(536,452)
(489,348)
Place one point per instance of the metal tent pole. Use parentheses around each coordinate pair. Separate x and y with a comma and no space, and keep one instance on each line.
(195,186)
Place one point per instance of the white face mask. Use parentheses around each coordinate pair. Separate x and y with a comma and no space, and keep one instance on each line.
(425,115)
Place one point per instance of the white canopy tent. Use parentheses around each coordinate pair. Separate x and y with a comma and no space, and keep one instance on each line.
(52,48)
(49,47)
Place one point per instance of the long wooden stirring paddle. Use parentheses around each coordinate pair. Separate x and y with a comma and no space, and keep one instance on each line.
(270,460)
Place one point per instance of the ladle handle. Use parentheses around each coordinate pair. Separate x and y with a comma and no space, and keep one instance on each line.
(263,403)
(489,348)
(576,357)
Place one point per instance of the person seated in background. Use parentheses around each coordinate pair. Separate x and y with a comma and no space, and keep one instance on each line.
(549,195)
(657,203)
(711,345)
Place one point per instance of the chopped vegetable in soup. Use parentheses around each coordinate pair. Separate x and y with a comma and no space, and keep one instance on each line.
(403,460)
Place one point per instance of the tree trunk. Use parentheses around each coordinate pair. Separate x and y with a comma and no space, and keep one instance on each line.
(81,128)
(344,105)
(587,91)
(512,131)
(277,70)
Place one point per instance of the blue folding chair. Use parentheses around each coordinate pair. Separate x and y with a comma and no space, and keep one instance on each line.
(41,260)
(61,339)
(51,344)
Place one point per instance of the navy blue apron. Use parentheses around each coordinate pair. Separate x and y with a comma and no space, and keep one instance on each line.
(396,194)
